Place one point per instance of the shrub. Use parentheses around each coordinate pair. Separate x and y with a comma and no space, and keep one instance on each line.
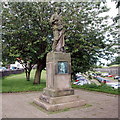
(98,88)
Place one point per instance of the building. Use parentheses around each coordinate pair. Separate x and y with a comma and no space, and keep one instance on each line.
(17,65)
(112,70)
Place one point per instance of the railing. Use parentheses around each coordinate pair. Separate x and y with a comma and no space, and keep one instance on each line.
(9,72)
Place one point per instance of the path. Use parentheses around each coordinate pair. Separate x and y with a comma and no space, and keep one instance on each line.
(99,105)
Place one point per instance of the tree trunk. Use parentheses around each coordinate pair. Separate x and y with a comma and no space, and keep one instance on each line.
(37,74)
(28,75)
(28,68)
(40,66)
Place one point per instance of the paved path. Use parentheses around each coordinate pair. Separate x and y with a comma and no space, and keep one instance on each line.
(99,105)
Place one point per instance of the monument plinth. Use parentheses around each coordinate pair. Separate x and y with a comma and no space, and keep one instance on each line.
(58,93)
(58,75)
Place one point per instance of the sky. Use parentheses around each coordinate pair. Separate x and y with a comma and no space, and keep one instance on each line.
(112,13)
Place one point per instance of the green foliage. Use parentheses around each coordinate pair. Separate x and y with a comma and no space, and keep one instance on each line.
(27,33)
(99,88)
(85,35)
(17,83)
(116,61)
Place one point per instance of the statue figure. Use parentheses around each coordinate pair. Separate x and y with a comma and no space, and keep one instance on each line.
(62,68)
(58,33)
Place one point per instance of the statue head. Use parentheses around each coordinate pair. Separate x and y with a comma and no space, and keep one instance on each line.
(57,10)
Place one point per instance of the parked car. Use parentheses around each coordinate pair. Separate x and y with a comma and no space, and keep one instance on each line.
(74,83)
(117,77)
(114,85)
(82,82)
(80,78)
(102,80)
(105,81)
(93,74)
(77,83)
(104,74)
(110,76)
(2,68)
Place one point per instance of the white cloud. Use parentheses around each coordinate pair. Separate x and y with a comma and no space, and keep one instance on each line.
(113,10)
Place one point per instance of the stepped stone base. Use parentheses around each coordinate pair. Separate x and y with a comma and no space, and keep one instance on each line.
(58,93)
(59,103)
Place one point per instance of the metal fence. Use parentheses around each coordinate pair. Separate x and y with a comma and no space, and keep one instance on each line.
(9,72)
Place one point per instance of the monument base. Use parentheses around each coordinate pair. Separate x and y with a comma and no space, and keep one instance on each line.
(59,103)
(58,93)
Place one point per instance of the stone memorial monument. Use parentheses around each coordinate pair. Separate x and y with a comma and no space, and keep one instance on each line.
(58,93)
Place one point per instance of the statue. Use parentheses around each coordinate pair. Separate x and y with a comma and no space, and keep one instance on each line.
(58,32)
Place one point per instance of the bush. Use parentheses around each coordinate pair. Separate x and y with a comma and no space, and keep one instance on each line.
(99,88)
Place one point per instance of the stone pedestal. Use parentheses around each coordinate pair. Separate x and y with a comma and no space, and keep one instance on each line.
(58,93)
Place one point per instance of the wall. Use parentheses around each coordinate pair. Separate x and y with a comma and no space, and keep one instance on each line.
(9,72)
(115,70)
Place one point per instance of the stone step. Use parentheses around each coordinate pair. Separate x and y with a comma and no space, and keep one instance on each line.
(60,106)
(57,100)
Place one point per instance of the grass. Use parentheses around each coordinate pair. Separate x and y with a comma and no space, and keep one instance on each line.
(99,88)
(86,106)
(18,83)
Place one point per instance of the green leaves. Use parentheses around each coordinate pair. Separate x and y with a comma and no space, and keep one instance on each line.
(26,27)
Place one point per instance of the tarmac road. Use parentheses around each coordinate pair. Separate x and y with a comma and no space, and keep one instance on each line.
(99,105)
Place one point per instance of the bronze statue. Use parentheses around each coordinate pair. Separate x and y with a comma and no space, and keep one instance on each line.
(58,32)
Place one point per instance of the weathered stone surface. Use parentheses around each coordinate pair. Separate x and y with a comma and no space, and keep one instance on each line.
(57,93)
(59,106)
(58,32)
(54,80)
(58,56)
(58,100)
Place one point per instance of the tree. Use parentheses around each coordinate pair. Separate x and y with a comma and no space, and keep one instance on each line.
(86,35)
(116,61)
(27,33)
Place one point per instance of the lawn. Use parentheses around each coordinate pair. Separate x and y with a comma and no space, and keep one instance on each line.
(18,83)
